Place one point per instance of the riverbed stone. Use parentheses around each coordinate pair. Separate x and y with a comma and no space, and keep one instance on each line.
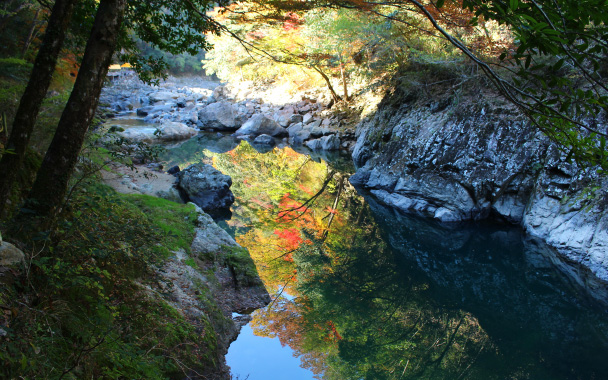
(261,124)
(330,142)
(143,111)
(162,96)
(307,118)
(167,131)
(206,187)
(265,140)
(315,129)
(219,116)
(283,117)
(295,118)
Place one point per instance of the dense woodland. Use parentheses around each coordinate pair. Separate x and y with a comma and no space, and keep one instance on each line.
(73,312)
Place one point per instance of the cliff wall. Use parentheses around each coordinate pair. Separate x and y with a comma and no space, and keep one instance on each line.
(469,159)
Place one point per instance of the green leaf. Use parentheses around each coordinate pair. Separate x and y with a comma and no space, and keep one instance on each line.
(513,4)
(529,18)
(558,65)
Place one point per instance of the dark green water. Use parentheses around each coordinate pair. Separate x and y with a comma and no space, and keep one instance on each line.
(381,295)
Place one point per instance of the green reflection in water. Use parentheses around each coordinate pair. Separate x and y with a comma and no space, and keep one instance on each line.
(377,295)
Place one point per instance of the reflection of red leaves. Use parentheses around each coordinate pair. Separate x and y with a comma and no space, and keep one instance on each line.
(290,240)
(261,203)
(331,210)
(305,189)
(334,332)
(291,210)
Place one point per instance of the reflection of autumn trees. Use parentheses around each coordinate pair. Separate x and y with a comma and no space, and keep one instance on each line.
(347,312)
(378,321)
(341,301)
(345,305)
(279,194)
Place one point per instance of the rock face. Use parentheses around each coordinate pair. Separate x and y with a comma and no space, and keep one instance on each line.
(470,162)
(206,187)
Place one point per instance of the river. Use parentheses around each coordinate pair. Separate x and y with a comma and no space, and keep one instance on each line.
(362,292)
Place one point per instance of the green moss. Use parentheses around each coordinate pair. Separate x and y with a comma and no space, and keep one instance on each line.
(191,262)
(175,220)
(242,265)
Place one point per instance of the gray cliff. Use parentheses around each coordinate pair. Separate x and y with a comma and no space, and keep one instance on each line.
(480,159)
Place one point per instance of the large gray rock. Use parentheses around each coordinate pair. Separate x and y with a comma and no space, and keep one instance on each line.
(295,118)
(10,255)
(576,223)
(260,124)
(219,116)
(314,144)
(284,116)
(206,187)
(330,142)
(210,238)
(299,133)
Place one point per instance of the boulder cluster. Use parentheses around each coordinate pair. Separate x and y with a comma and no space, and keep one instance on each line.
(182,111)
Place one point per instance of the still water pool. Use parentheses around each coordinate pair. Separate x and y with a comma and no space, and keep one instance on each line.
(362,292)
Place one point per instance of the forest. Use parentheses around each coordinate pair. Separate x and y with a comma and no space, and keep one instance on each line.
(71,307)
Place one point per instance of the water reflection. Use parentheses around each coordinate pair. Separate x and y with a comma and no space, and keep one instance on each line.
(367,293)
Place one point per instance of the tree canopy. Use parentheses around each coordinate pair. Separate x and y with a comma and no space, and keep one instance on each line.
(548,58)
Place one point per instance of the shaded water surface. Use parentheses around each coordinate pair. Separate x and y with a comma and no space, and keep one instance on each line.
(362,292)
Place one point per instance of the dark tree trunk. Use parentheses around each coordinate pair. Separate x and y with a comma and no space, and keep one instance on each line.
(51,183)
(335,97)
(34,94)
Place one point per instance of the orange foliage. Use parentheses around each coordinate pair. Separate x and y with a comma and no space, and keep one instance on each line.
(290,238)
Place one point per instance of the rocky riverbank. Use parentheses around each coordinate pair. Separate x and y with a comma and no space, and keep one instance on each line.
(178,109)
(480,159)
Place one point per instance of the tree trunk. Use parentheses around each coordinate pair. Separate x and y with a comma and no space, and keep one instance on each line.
(34,94)
(51,183)
(344,83)
(336,98)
